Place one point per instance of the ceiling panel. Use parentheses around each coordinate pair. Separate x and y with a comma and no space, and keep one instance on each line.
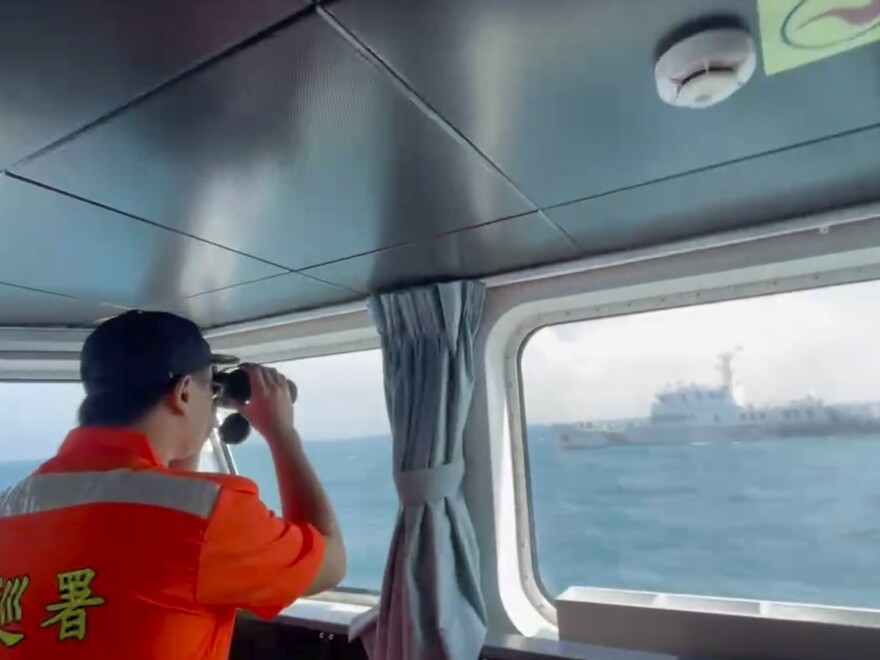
(295,150)
(23,307)
(822,176)
(501,246)
(54,243)
(64,64)
(560,93)
(269,297)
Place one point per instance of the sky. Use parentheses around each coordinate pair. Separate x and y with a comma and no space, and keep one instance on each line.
(818,342)
(821,342)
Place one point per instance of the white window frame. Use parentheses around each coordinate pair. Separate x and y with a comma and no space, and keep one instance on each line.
(821,250)
(46,355)
(320,333)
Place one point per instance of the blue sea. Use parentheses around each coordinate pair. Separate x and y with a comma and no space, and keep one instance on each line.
(793,520)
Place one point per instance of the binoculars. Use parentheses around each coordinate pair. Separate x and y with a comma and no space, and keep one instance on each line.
(233,388)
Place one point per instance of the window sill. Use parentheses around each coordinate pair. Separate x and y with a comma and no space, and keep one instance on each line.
(516,647)
(704,626)
(328,614)
(762,609)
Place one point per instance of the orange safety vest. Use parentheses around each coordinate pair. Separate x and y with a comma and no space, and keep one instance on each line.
(106,554)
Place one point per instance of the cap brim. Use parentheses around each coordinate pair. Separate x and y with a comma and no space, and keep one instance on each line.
(222,360)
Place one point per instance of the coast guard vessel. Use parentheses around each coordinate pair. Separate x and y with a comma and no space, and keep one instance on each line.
(686,414)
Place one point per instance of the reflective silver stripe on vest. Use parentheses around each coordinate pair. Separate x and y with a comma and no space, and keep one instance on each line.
(51,492)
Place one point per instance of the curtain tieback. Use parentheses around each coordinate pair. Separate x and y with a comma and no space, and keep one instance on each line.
(423,486)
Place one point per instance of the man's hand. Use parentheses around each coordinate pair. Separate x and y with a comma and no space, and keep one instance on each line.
(269,410)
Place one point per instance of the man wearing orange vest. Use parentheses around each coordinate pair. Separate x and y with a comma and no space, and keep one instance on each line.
(116,548)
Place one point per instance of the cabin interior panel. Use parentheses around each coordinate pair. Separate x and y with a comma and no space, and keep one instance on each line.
(66,65)
(293,150)
(369,145)
(816,177)
(561,96)
(150,264)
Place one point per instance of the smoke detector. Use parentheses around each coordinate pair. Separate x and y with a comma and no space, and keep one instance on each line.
(705,68)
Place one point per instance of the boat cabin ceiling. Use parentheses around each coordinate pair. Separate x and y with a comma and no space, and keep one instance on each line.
(236,161)
(233,160)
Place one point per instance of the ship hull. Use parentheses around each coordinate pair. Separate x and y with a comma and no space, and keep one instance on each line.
(654,434)
(682,434)
(588,438)
(687,434)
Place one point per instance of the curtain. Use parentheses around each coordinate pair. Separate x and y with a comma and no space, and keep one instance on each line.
(431,607)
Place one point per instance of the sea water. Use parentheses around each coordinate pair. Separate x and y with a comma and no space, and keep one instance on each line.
(789,520)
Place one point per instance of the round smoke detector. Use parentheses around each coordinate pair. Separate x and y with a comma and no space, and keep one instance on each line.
(705,68)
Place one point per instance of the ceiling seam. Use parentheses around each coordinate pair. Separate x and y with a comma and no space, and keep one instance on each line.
(211,60)
(43,291)
(410,94)
(709,168)
(415,242)
(66,296)
(195,295)
(333,284)
(266,279)
(287,269)
(131,216)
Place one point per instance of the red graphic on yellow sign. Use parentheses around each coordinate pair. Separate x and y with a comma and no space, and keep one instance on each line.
(797,32)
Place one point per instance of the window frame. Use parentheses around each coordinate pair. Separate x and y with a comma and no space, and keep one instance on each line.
(51,355)
(824,250)
(523,474)
(40,355)
(341,593)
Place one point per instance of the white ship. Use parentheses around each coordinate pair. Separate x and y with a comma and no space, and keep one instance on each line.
(688,414)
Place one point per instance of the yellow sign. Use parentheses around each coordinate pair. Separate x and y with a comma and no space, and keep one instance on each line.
(797,32)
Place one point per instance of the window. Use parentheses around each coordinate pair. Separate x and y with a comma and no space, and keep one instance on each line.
(784,509)
(35,418)
(340,415)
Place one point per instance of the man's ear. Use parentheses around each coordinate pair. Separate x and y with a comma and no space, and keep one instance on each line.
(180,394)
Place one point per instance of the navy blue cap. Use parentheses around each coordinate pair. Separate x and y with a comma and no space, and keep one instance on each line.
(142,352)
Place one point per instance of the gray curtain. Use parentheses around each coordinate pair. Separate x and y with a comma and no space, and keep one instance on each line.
(431,607)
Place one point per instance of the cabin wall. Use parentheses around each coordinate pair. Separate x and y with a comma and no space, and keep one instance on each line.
(800,255)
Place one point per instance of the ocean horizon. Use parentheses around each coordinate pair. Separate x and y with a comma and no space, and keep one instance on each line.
(794,520)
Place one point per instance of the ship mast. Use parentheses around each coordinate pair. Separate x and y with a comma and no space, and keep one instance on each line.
(725,366)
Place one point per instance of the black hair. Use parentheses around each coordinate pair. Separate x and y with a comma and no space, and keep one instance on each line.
(123,407)
(118,408)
